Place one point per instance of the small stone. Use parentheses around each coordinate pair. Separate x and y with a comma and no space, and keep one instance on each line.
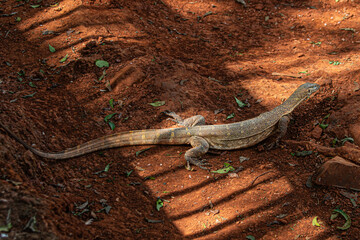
(338,172)
(316,132)
(242,2)
(309,182)
(300,55)
(324,81)
(233,175)
(243,159)
(283,221)
(355,133)
(47,32)
(91,44)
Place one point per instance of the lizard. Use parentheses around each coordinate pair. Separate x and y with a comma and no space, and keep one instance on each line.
(201,137)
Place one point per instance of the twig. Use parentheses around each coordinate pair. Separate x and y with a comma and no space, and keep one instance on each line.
(260,176)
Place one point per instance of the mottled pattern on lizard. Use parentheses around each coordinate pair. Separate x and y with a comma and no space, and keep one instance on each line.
(194,132)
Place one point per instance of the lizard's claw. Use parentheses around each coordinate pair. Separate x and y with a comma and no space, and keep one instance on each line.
(171,114)
(197,162)
(167,112)
(174,120)
(273,145)
(174,117)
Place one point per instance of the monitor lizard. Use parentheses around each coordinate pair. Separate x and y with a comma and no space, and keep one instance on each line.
(194,132)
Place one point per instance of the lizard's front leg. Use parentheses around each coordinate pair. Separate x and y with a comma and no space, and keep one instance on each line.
(200,147)
(282,129)
(188,122)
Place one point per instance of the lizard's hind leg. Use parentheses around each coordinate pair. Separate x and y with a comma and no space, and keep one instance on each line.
(200,147)
(188,122)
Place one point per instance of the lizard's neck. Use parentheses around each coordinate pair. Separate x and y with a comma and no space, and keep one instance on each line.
(289,105)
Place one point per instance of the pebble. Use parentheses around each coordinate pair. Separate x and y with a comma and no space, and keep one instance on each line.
(338,172)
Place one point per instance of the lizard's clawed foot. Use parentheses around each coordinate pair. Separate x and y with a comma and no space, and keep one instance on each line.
(272,145)
(197,162)
(174,117)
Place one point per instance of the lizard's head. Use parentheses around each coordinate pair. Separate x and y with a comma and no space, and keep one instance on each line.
(301,93)
(305,90)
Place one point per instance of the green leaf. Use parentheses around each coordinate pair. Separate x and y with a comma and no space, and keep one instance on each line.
(8,225)
(230,116)
(348,29)
(101,63)
(347,139)
(227,168)
(83,205)
(6,228)
(21,73)
(35,6)
(111,103)
(227,164)
(128,173)
(316,43)
(153,220)
(250,237)
(326,117)
(141,151)
(107,167)
(334,142)
(112,125)
(150,178)
(302,153)
(208,13)
(108,117)
(64,58)
(157,103)
(102,76)
(159,204)
(240,103)
(334,215)
(105,209)
(334,63)
(30,95)
(353,202)
(83,211)
(52,49)
(18,19)
(31,84)
(323,125)
(315,222)
(31,224)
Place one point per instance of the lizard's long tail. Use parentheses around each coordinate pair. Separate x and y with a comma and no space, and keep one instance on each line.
(174,136)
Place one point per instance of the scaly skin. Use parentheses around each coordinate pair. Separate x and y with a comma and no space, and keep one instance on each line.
(202,137)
